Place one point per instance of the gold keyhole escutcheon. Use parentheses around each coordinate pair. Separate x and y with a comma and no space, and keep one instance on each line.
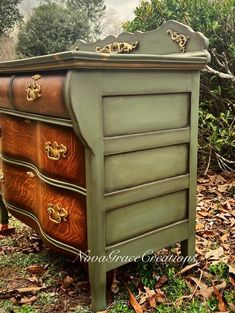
(33,89)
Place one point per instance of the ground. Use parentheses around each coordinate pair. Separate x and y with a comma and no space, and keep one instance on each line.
(35,279)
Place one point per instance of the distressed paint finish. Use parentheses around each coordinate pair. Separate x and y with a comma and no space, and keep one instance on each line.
(133,118)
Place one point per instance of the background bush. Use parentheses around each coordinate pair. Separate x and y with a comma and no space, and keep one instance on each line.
(215,19)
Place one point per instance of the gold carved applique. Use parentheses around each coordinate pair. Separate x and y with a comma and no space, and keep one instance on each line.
(182,40)
(118,47)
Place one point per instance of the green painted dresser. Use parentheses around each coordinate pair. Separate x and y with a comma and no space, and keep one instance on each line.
(99,146)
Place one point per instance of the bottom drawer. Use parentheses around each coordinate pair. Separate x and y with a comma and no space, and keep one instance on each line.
(138,218)
(61,213)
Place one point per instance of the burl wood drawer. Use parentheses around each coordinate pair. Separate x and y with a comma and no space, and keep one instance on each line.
(34,93)
(54,150)
(60,212)
(4,92)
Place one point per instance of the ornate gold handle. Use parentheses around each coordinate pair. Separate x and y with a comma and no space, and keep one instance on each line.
(55,151)
(2,178)
(57,214)
(33,89)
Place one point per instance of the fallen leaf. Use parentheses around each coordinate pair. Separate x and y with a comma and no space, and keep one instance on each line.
(199,226)
(151,297)
(26,300)
(224,238)
(215,254)
(187,268)
(161,281)
(221,305)
(67,282)
(232,307)
(160,296)
(134,303)
(35,269)
(207,292)
(231,279)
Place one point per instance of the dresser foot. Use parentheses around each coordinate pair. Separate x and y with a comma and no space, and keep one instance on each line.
(3,213)
(188,250)
(97,277)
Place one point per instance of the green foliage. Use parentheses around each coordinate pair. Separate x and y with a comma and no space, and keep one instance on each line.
(212,304)
(121,307)
(220,270)
(51,28)
(93,10)
(217,135)
(194,307)
(9,15)
(215,19)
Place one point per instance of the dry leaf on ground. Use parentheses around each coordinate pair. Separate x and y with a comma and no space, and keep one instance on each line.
(134,303)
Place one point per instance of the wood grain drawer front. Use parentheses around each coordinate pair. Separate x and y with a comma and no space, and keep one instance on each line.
(28,192)
(145,216)
(26,140)
(140,167)
(5,92)
(42,96)
(145,113)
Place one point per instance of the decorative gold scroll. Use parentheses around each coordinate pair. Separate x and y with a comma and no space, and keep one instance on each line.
(182,40)
(118,47)
(57,214)
(55,151)
(33,89)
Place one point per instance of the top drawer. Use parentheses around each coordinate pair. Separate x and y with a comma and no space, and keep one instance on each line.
(34,93)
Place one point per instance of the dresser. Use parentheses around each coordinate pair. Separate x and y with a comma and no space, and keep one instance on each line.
(98,146)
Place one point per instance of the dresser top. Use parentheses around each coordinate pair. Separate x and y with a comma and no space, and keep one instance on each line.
(171,46)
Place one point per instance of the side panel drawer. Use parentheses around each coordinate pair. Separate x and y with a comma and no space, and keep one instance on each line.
(138,218)
(144,113)
(135,168)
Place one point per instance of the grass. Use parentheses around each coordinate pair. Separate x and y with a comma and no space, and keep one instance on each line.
(75,299)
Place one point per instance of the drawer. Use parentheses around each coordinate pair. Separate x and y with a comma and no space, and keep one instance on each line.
(26,191)
(145,216)
(4,92)
(54,150)
(40,94)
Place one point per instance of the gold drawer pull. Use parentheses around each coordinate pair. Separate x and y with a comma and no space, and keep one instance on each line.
(2,178)
(57,214)
(55,151)
(33,89)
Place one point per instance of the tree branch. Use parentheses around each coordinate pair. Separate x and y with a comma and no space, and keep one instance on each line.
(210,70)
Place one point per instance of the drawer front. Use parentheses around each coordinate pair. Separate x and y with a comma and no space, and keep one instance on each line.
(135,168)
(60,212)
(40,94)
(5,92)
(145,216)
(54,150)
